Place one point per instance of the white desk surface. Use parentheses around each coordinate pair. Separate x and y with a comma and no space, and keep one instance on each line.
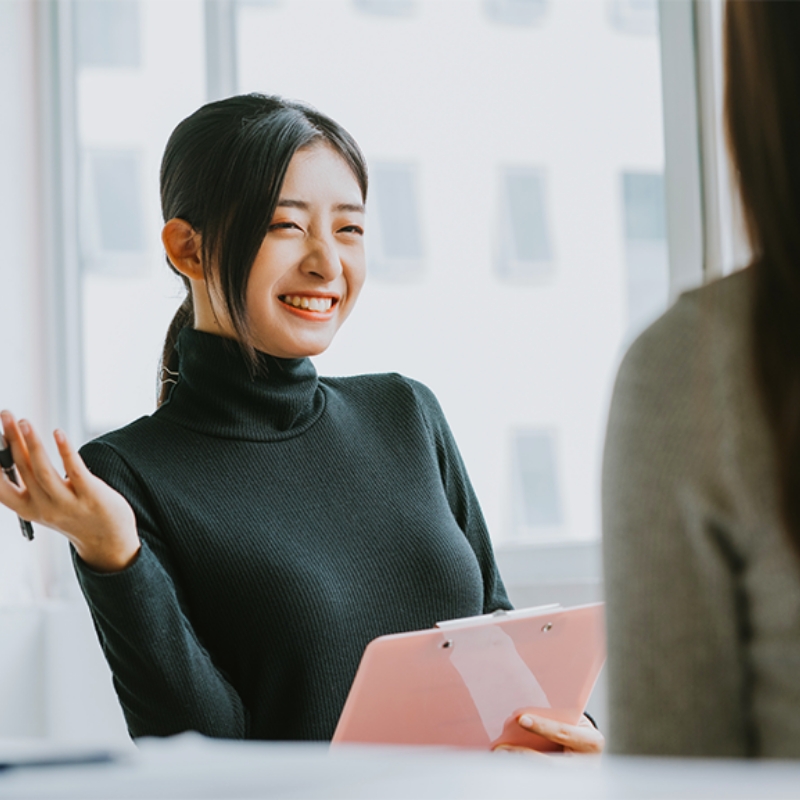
(192,767)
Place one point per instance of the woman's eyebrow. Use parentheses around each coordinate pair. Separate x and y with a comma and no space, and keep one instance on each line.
(301,204)
(286,203)
(358,208)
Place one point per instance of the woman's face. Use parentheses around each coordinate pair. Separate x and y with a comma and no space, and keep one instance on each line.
(310,267)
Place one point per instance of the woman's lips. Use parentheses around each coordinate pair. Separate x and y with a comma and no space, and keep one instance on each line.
(313,307)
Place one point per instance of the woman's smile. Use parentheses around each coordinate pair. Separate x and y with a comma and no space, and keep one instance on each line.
(307,306)
(309,270)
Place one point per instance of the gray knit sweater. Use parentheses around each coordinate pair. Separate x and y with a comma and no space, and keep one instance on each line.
(702,585)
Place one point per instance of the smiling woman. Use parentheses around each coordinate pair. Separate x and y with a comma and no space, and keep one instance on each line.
(240,546)
(241,203)
(309,270)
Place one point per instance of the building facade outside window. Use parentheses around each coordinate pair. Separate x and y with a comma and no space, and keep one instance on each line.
(507,266)
(519,117)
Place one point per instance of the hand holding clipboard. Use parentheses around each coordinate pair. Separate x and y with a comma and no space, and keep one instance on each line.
(466,682)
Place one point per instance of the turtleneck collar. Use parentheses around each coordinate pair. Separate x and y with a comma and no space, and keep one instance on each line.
(216,394)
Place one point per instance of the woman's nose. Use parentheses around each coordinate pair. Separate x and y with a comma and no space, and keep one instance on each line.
(323,259)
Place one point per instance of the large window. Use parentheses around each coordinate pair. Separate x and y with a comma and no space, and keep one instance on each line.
(516,151)
(515,223)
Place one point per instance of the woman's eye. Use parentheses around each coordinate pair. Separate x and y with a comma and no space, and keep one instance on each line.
(357,229)
(276,226)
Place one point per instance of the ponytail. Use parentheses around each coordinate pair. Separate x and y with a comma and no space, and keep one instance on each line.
(184,318)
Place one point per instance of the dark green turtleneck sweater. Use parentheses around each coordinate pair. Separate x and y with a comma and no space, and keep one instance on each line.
(286,521)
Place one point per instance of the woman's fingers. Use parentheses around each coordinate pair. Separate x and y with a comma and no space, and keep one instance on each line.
(74,467)
(19,450)
(47,484)
(580,738)
(11,495)
(43,495)
(15,496)
(98,520)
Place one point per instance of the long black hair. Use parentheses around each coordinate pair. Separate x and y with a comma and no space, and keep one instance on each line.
(222,172)
(762,115)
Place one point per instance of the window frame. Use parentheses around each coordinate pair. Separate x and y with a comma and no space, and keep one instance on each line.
(60,197)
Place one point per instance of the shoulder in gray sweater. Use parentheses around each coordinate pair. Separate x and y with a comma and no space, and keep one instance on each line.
(703,588)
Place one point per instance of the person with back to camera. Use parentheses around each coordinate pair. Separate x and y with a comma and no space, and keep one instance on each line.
(241,546)
(701,490)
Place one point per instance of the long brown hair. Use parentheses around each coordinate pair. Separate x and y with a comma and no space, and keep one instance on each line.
(762,120)
(222,172)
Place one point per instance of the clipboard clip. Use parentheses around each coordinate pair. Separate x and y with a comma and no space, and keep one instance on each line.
(496,616)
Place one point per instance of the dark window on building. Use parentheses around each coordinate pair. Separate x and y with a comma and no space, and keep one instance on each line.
(525,251)
(644,205)
(396,228)
(112,217)
(639,17)
(537,501)
(646,264)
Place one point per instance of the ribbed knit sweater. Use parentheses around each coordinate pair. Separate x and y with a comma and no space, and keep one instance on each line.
(286,520)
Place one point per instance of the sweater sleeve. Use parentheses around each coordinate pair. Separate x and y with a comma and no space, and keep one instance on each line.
(462,499)
(165,679)
(673,577)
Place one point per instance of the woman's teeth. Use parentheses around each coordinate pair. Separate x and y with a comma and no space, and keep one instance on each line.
(308,303)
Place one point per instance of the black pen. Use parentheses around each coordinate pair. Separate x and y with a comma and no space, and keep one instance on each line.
(7,465)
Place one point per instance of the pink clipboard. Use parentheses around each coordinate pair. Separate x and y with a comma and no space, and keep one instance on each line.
(465,682)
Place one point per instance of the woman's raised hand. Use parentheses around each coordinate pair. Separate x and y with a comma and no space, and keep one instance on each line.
(97,520)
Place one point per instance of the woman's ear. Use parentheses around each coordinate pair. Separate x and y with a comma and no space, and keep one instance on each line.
(184,248)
